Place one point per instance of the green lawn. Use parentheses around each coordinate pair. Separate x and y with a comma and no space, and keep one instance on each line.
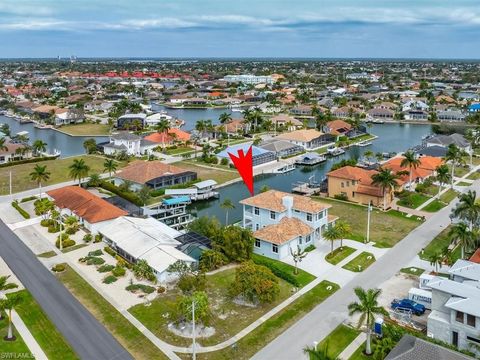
(460,170)
(228,318)
(412,271)
(205,173)
(86,129)
(364,260)
(58,169)
(47,254)
(339,254)
(434,206)
(474,176)
(463,183)
(16,348)
(440,242)
(412,199)
(302,277)
(386,228)
(338,340)
(179,150)
(127,334)
(73,248)
(42,329)
(247,346)
(448,196)
(359,355)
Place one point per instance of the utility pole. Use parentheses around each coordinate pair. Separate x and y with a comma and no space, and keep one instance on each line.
(193,331)
(10,183)
(369,210)
(60,242)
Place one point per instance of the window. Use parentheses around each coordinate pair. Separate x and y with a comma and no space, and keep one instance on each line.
(256,211)
(459,316)
(343,185)
(257,243)
(348,183)
(275,248)
(272,215)
(300,239)
(470,320)
(309,217)
(257,226)
(353,182)
(473,339)
(308,238)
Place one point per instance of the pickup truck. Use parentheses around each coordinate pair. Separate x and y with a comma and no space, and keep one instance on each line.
(407,304)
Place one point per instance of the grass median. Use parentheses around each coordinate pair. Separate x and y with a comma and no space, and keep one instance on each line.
(361,262)
(128,335)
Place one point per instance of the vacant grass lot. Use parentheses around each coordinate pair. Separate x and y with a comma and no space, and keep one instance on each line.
(338,340)
(386,228)
(127,334)
(204,173)
(247,346)
(440,242)
(361,262)
(86,129)
(228,318)
(58,169)
(179,150)
(42,329)
(412,199)
(434,206)
(339,254)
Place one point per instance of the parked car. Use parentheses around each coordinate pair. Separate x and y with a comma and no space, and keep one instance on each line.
(407,304)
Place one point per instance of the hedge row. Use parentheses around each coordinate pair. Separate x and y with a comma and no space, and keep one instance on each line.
(27,161)
(276,269)
(22,212)
(129,196)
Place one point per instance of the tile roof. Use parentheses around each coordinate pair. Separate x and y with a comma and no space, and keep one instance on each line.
(304,135)
(142,171)
(272,200)
(84,204)
(180,135)
(475,257)
(427,166)
(286,230)
(338,127)
(354,173)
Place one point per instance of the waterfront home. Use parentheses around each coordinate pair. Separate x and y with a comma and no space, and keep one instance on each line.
(345,112)
(45,111)
(301,110)
(355,184)
(446,140)
(381,113)
(281,148)
(98,105)
(68,116)
(450,115)
(92,211)
(281,221)
(233,127)
(474,108)
(414,114)
(129,143)
(426,168)
(309,139)
(259,156)
(414,105)
(14,152)
(154,174)
(131,121)
(172,136)
(286,121)
(455,315)
(201,190)
(147,239)
(171,211)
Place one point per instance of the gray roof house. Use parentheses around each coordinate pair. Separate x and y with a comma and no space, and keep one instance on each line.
(281,148)
(446,140)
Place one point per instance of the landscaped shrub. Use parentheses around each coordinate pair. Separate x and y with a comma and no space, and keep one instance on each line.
(343,197)
(158,192)
(87,238)
(94,260)
(71,231)
(130,196)
(212,259)
(95,253)
(282,274)
(119,271)
(98,238)
(27,161)
(144,288)
(105,268)
(310,247)
(110,251)
(27,199)
(53,228)
(66,241)
(109,279)
(59,267)
(161,289)
(122,262)
(224,161)
(47,222)
(22,212)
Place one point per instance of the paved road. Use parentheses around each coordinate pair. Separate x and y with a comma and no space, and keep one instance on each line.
(328,315)
(88,337)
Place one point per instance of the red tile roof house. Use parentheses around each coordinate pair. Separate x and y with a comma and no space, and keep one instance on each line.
(93,212)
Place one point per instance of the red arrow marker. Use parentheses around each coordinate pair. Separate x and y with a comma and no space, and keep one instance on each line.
(244,166)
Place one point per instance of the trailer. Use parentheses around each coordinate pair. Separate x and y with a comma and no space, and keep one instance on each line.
(421,296)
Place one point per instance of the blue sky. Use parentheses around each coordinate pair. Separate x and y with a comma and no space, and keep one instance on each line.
(240,28)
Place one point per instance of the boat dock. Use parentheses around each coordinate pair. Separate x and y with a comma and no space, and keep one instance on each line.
(307,188)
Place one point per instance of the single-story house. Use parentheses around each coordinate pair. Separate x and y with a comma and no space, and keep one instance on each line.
(93,212)
(146,239)
(68,116)
(381,113)
(446,140)
(301,110)
(450,115)
(343,128)
(259,155)
(281,148)
(129,121)
(155,174)
(286,120)
(309,139)
(14,152)
(173,135)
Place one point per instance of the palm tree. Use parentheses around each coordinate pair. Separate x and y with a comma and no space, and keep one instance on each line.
(436,260)
(224,118)
(455,156)
(467,208)
(462,235)
(320,354)
(386,179)
(79,170)
(383,347)
(443,176)
(367,307)
(411,161)
(264,188)
(162,128)
(201,126)
(9,304)
(3,145)
(95,180)
(144,194)
(111,166)
(369,154)
(5,285)
(227,204)
(297,256)
(39,146)
(40,174)
(331,234)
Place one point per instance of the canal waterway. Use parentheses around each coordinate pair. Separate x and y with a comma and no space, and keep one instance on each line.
(391,138)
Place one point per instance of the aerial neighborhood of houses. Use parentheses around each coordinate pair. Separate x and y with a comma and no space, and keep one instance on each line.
(119,191)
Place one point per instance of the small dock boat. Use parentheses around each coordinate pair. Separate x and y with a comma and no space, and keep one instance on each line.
(335,151)
(310,159)
(364,143)
(284,169)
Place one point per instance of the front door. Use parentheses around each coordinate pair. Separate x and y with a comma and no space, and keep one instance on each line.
(455,338)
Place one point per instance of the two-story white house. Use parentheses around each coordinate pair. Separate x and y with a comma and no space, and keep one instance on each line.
(455,316)
(281,221)
(130,143)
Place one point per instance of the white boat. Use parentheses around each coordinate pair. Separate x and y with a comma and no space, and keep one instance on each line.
(236,108)
(335,151)
(284,169)
(364,143)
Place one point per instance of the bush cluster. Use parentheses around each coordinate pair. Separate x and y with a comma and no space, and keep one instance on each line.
(66,242)
(22,212)
(87,238)
(95,253)
(92,260)
(119,271)
(109,279)
(27,199)
(127,195)
(109,251)
(143,288)
(105,268)
(276,270)
(59,267)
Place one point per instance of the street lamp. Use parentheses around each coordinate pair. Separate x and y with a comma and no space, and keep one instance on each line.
(59,219)
(369,210)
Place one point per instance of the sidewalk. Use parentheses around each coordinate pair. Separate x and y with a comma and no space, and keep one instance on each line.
(354,345)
